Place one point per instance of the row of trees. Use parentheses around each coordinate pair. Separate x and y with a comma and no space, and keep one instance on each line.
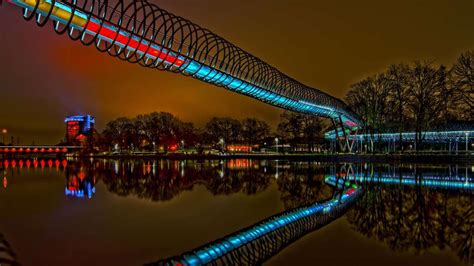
(147,131)
(164,130)
(416,97)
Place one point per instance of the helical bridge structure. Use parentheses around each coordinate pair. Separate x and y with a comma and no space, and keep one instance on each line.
(141,32)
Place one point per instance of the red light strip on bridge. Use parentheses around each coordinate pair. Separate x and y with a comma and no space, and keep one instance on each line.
(131,43)
(96,25)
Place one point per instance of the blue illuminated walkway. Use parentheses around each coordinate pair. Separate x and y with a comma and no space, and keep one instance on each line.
(429,136)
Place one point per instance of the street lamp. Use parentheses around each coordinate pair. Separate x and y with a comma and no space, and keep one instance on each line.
(154,147)
(221,141)
(467,141)
(276,142)
(4,132)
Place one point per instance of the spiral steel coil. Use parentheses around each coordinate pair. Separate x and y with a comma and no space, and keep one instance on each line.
(141,32)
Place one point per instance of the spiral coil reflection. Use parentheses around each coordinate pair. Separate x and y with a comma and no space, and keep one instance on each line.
(258,249)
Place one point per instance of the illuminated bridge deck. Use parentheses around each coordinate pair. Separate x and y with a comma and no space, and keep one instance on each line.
(429,136)
(141,32)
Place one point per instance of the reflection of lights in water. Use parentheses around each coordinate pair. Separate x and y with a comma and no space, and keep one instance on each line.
(429,181)
(28,163)
(116,167)
(79,186)
(5,182)
(276,173)
(88,191)
(241,164)
(210,252)
(148,168)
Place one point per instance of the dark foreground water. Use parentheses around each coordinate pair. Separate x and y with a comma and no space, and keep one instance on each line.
(136,212)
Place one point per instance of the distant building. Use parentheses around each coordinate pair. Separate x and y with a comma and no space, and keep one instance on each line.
(79,129)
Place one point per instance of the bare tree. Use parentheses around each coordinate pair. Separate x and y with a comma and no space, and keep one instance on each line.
(424,97)
(463,74)
(397,77)
(254,130)
(369,98)
(227,128)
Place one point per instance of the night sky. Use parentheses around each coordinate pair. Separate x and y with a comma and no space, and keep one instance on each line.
(324,44)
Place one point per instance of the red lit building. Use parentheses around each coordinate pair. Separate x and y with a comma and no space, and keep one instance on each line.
(79,129)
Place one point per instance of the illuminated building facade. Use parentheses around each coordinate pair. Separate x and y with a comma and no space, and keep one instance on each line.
(79,128)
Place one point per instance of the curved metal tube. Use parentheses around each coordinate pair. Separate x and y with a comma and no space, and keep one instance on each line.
(141,32)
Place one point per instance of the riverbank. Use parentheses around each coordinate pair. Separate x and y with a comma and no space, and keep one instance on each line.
(356,158)
(349,158)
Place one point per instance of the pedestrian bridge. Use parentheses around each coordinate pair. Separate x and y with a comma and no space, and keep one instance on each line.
(141,32)
(453,134)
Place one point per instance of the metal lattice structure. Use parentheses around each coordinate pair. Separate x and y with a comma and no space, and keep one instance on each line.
(257,243)
(429,137)
(141,32)
(458,178)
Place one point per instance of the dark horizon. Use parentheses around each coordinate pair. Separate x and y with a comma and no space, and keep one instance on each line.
(47,77)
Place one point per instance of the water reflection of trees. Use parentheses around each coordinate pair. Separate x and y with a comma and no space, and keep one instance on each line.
(406,218)
(416,218)
(302,184)
(7,255)
(299,183)
(164,180)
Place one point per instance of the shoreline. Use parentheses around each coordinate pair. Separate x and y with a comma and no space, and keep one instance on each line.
(336,158)
(356,158)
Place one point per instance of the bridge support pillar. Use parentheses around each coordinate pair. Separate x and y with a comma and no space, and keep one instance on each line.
(346,140)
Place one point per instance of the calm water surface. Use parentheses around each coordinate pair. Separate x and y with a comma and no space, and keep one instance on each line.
(134,212)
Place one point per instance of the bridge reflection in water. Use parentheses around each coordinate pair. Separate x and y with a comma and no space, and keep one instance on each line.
(261,241)
(407,206)
(7,255)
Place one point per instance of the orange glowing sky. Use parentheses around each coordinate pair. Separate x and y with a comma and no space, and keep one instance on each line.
(325,44)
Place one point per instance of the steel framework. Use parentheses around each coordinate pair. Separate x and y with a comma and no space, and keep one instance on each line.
(141,32)
(430,136)
(257,243)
